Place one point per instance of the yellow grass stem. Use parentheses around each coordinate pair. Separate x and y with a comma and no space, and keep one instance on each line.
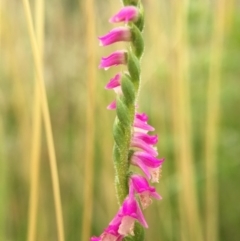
(3,177)
(47,122)
(190,228)
(213,113)
(36,130)
(90,115)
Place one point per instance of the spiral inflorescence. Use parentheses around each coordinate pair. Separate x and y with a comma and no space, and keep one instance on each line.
(132,143)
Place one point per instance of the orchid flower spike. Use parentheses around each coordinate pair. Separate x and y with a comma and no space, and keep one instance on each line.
(133,145)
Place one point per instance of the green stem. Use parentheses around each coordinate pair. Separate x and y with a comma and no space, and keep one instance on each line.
(122,129)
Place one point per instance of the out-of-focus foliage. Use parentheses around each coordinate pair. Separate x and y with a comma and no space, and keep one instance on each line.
(65,61)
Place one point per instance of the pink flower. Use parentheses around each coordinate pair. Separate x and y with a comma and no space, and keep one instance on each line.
(114,82)
(129,213)
(111,232)
(123,223)
(142,116)
(140,185)
(142,145)
(116,35)
(151,140)
(149,164)
(116,58)
(112,105)
(126,14)
(140,122)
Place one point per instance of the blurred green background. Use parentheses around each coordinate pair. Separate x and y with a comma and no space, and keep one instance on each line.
(190,90)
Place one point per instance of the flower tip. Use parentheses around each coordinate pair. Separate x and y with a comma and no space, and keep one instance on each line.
(112,106)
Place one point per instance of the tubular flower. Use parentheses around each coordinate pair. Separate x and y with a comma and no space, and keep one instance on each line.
(140,122)
(151,140)
(114,82)
(130,212)
(116,58)
(116,35)
(140,185)
(139,144)
(149,164)
(111,232)
(126,14)
(123,223)
(142,116)
(112,105)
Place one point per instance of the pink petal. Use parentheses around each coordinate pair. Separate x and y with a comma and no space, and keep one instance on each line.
(116,35)
(112,106)
(127,226)
(141,218)
(131,208)
(142,145)
(142,125)
(148,159)
(141,186)
(114,82)
(116,58)
(141,116)
(147,138)
(126,14)
(138,162)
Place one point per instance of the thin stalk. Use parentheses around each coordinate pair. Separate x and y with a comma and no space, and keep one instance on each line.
(212,122)
(3,169)
(36,131)
(47,122)
(90,118)
(188,206)
(3,181)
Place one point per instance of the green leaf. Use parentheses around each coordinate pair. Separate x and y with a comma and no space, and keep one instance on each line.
(137,41)
(134,68)
(130,2)
(140,21)
(128,90)
(118,133)
(123,113)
